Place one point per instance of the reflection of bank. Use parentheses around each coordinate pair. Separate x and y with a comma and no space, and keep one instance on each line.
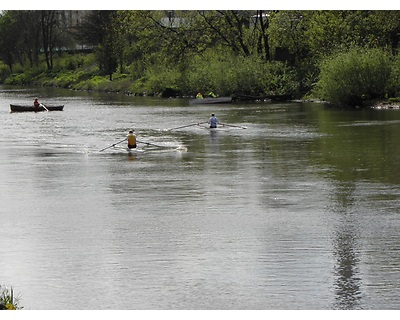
(345,249)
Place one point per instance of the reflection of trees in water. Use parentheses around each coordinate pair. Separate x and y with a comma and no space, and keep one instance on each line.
(348,281)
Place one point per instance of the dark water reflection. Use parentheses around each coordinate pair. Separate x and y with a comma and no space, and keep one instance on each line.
(347,251)
(298,211)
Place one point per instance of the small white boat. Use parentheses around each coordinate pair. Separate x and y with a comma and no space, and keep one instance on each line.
(207,100)
(219,128)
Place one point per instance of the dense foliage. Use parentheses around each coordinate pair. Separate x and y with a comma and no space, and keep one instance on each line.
(349,78)
(342,56)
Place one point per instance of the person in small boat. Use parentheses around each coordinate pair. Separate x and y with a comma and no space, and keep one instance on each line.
(36,103)
(131,140)
(212,95)
(213,121)
(199,95)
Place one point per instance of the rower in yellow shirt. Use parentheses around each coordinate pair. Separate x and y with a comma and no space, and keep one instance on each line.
(131,140)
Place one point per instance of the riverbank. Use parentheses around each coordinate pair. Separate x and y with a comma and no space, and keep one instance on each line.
(231,75)
(81,73)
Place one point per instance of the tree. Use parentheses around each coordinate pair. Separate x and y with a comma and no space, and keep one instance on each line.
(29,35)
(261,24)
(26,33)
(97,30)
(287,31)
(7,45)
(230,28)
(50,22)
(326,31)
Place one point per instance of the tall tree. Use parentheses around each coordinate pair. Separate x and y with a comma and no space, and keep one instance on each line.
(97,29)
(230,28)
(30,35)
(7,45)
(286,31)
(260,21)
(48,19)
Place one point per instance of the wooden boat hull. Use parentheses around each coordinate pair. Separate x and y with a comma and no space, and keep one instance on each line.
(29,108)
(211,100)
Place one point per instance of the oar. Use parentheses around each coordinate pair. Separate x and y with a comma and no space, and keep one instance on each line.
(42,105)
(152,144)
(231,125)
(113,145)
(189,125)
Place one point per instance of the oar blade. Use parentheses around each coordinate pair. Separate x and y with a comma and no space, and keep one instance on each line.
(43,106)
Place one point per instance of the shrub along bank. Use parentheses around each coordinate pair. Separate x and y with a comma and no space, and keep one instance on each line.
(223,74)
(350,77)
(358,76)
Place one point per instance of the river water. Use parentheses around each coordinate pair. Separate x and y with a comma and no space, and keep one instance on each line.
(299,210)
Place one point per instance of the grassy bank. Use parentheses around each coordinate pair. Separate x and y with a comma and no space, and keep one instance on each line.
(352,78)
(77,72)
(221,73)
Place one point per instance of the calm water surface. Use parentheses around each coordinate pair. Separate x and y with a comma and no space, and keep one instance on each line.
(301,210)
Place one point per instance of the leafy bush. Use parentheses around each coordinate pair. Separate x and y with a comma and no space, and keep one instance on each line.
(160,77)
(277,78)
(94,83)
(393,85)
(18,79)
(67,79)
(4,71)
(226,73)
(349,78)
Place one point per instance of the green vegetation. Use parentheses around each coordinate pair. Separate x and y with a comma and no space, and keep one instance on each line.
(345,57)
(224,73)
(7,299)
(352,77)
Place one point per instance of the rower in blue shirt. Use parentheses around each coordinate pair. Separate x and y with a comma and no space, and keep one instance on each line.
(213,121)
